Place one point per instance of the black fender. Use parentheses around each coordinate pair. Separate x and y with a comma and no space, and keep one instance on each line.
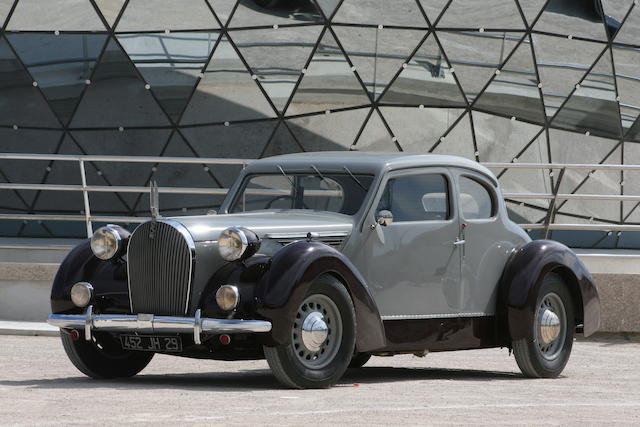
(521,281)
(293,268)
(109,280)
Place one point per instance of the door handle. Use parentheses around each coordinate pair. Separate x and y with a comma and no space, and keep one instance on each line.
(459,242)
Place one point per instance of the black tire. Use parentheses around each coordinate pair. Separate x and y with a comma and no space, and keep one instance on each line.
(358,360)
(532,358)
(285,360)
(110,361)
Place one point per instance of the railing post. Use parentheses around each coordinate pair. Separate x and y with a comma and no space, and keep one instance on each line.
(85,196)
(552,204)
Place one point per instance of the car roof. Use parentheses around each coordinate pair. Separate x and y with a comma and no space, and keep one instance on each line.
(362,162)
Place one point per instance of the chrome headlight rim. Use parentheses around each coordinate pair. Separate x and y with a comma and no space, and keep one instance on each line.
(114,235)
(228,245)
(81,294)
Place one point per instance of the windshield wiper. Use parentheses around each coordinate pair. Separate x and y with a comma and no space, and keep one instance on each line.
(355,179)
(286,176)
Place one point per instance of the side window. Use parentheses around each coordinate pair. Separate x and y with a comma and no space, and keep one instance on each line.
(475,200)
(416,198)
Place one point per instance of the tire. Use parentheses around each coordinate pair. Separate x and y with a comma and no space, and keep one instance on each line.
(104,362)
(540,358)
(358,360)
(316,363)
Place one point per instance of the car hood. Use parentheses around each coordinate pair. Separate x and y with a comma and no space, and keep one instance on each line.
(269,224)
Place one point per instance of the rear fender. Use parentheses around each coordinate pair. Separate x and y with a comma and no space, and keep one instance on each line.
(523,277)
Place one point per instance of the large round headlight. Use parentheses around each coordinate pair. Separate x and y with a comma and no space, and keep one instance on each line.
(237,243)
(107,241)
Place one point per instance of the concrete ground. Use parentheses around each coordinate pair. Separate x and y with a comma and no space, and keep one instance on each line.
(601,385)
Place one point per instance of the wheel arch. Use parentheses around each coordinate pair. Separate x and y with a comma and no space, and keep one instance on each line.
(279,293)
(521,280)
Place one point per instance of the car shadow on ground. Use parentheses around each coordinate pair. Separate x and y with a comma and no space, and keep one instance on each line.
(261,379)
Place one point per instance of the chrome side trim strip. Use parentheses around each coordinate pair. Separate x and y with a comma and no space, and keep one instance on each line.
(299,235)
(434,316)
(148,323)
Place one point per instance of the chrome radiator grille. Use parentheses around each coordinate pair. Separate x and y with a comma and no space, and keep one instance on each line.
(160,267)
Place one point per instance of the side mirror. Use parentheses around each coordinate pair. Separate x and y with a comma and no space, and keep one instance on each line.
(384,218)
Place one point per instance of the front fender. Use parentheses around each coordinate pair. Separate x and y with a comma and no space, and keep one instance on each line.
(109,280)
(523,276)
(293,268)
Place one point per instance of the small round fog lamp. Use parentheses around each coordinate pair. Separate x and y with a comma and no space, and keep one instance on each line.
(227,297)
(81,294)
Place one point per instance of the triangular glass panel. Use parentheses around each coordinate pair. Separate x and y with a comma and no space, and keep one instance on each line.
(500,139)
(629,33)
(405,13)
(630,119)
(426,80)
(562,63)
(269,13)
(275,61)
(531,9)
(162,15)
(110,9)
(433,9)
(521,180)
(61,81)
(419,139)
(27,171)
(514,92)
(226,92)
(459,140)
(378,54)
(21,103)
(51,15)
(497,14)
(222,9)
(627,77)
(570,147)
(130,142)
(475,67)
(603,182)
(522,213)
(328,82)
(633,134)
(5,8)
(592,107)
(282,142)
(170,64)
(328,7)
(117,97)
(614,12)
(375,136)
(313,134)
(574,18)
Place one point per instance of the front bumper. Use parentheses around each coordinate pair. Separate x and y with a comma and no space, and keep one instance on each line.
(151,324)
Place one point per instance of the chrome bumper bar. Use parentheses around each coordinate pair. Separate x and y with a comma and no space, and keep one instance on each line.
(151,324)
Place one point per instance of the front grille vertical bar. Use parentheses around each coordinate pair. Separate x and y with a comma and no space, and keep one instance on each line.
(160,268)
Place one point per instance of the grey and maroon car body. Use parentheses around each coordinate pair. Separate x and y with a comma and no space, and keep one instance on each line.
(316,262)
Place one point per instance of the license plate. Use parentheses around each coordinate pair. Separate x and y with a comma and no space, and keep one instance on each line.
(151,343)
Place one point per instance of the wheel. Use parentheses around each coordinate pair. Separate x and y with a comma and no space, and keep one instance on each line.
(322,338)
(104,359)
(359,359)
(553,328)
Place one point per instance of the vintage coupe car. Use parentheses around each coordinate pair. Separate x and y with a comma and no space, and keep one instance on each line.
(317,261)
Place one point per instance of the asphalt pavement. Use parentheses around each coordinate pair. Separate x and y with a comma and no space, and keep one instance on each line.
(601,385)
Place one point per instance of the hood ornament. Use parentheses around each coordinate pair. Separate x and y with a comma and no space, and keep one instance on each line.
(154,200)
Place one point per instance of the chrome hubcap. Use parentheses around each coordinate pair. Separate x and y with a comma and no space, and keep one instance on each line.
(314,331)
(317,331)
(551,326)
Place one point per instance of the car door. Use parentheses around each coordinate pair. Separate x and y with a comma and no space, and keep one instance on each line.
(412,265)
(484,252)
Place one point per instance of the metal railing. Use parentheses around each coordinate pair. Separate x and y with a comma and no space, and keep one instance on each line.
(547,224)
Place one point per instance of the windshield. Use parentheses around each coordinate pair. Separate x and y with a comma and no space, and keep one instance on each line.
(331,192)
